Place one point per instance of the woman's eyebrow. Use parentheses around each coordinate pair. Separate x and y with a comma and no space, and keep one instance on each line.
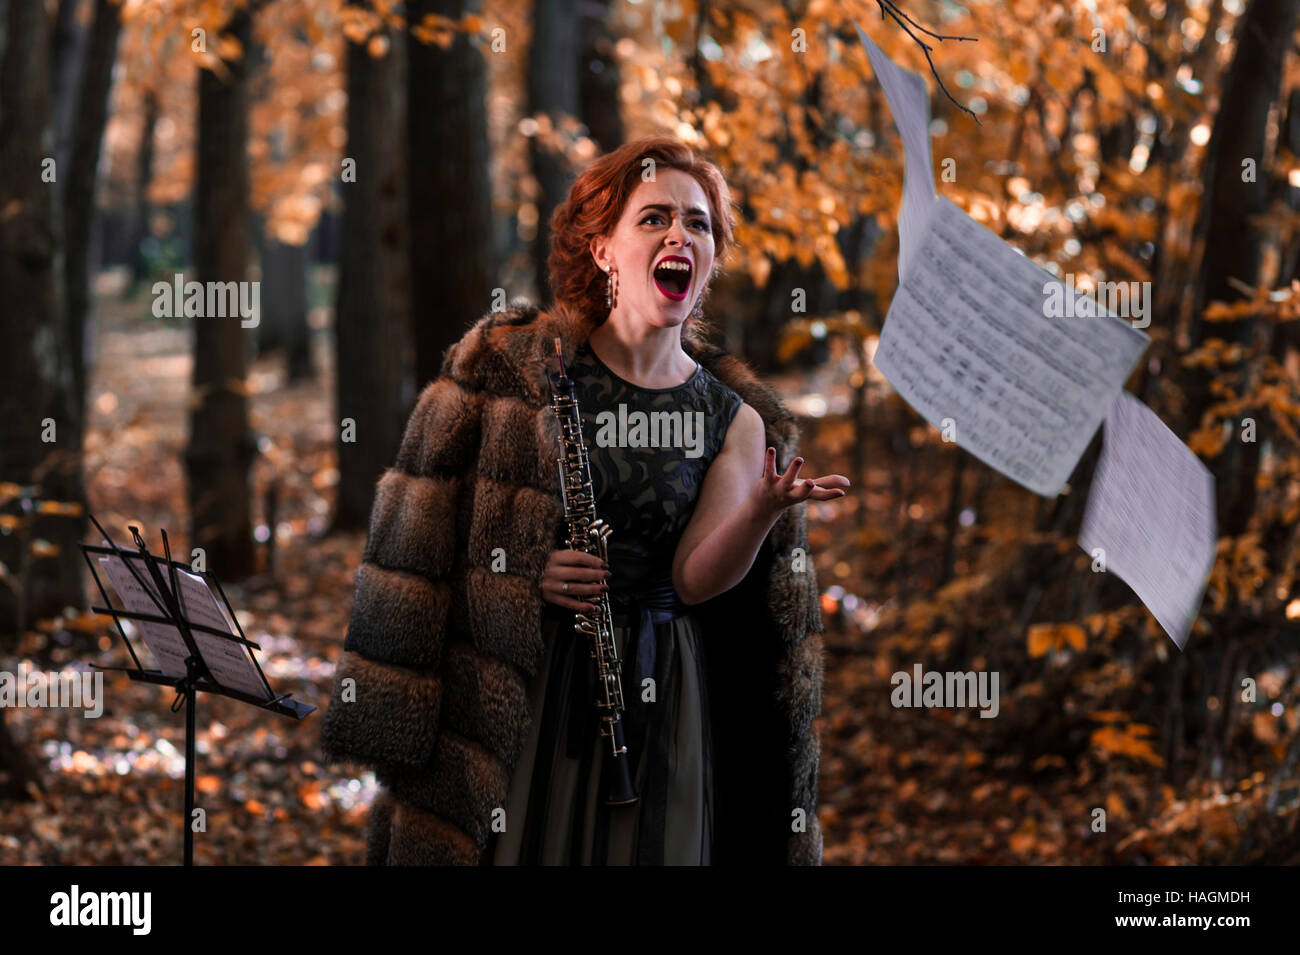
(694,210)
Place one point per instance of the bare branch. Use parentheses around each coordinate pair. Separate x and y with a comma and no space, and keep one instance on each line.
(903,20)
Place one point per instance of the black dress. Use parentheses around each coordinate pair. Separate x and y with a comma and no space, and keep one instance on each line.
(649,450)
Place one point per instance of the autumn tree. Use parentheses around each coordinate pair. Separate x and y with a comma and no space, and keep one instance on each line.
(221,447)
(34,373)
(599,76)
(453,255)
(373,330)
(144,174)
(1236,194)
(553,67)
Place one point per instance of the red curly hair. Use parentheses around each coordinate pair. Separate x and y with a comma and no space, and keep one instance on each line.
(595,204)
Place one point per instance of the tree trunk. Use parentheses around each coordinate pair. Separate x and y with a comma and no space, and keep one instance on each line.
(36,382)
(1231,243)
(79,220)
(598,77)
(17,772)
(144,175)
(33,370)
(221,448)
(453,261)
(68,45)
(284,291)
(284,305)
(770,312)
(553,92)
(373,326)
(79,211)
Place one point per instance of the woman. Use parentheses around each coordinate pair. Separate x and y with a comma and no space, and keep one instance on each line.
(690,509)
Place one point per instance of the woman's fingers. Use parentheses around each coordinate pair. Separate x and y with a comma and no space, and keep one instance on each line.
(831,482)
(571,575)
(584,573)
(554,593)
(789,489)
(580,589)
(826,488)
(570,604)
(580,575)
(575,558)
(569,584)
(787,481)
(826,493)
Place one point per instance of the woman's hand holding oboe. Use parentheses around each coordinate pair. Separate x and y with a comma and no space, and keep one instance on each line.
(571,575)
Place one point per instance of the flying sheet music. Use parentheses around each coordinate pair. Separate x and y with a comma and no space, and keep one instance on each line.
(910,105)
(968,344)
(229,662)
(1151,511)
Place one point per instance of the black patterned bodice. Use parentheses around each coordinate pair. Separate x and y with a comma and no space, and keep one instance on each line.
(649,449)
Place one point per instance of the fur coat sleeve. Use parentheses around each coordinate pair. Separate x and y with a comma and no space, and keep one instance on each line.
(431,689)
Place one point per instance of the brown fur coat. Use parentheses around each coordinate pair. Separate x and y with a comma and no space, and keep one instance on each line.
(431,690)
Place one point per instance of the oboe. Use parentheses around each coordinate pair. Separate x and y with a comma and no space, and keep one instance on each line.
(589,534)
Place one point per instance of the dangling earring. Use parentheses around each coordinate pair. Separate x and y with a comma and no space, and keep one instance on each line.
(611,288)
(699,307)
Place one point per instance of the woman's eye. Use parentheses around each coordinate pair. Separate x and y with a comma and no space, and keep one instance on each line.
(699,223)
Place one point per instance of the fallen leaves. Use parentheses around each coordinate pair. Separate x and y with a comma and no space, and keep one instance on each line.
(1045,638)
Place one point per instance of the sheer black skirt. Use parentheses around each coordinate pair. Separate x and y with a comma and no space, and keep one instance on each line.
(555,813)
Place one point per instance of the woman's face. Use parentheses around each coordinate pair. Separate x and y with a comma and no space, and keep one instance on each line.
(664,221)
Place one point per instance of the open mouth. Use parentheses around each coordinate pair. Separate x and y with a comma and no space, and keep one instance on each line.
(673,277)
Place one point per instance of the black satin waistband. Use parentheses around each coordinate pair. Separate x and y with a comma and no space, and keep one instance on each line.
(641,610)
(658,597)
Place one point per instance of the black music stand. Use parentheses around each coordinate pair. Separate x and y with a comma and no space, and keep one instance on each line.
(198,676)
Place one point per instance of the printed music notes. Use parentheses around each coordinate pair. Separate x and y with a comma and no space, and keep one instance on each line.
(228,661)
(975,342)
(1151,512)
(967,344)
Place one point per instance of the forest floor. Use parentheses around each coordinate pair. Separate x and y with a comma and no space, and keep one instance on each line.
(898,785)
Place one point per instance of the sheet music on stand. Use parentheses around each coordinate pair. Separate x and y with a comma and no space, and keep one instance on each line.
(228,661)
(189,627)
(200,647)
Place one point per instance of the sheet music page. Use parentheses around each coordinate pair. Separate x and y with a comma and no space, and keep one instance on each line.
(968,344)
(909,102)
(1151,510)
(163,640)
(229,662)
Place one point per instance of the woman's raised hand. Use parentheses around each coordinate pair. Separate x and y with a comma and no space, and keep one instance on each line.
(775,492)
(571,575)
